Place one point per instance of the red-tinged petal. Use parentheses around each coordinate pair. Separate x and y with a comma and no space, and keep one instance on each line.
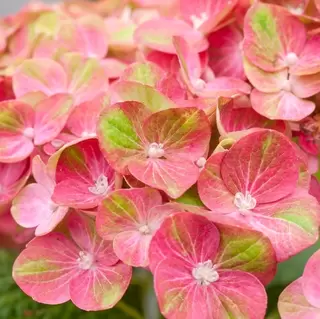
(269,175)
(173,176)
(125,217)
(13,177)
(310,280)
(231,118)
(232,295)
(188,238)
(83,231)
(294,305)
(268,82)
(225,55)
(82,122)
(281,106)
(86,77)
(133,91)
(168,62)
(308,62)
(183,132)
(100,288)
(44,269)
(39,75)
(268,34)
(51,116)
(83,176)
(16,131)
(315,188)
(207,14)
(157,34)
(291,223)
(246,250)
(171,87)
(305,86)
(120,133)
(144,73)
(212,189)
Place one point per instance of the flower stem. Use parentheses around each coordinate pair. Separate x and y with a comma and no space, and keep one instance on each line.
(133,313)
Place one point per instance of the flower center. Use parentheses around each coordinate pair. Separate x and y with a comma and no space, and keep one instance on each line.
(88,134)
(198,21)
(205,273)
(198,84)
(85,260)
(144,230)
(244,202)
(296,10)
(291,59)
(201,162)
(100,187)
(29,133)
(57,143)
(155,150)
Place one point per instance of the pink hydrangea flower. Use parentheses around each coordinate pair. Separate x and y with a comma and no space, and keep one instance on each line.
(199,274)
(82,267)
(283,72)
(256,185)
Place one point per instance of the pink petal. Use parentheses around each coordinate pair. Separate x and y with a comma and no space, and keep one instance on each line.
(269,175)
(157,34)
(13,177)
(205,15)
(44,269)
(268,34)
(225,55)
(41,174)
(39,75)
(83,232)
(100,288)
(310,282)
(308,62)
(315,188)
(113,67)
(186,238)
(83,176)
(16,131)
(305,86)
(281,106)
(294,305)
(51,116)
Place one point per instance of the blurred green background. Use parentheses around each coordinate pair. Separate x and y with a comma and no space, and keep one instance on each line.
(138,303)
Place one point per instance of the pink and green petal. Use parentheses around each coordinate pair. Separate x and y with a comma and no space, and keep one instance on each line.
(39,75)
(86,77)
(269,175)
(51,116)
(144,73)
(157,34)
(310,280)
(44,269)
(246,250)
(154,100)
(268,82)
(83,177)
(268,34)
(100,288)
(294,305)
(305,86)
(183,132)
(16,131)
(120,134)
(282,105)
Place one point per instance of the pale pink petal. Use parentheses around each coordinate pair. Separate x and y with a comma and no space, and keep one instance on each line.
(305,86)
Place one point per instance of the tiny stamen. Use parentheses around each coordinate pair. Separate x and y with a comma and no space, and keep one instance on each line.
(291,59)
(205,273)
(85,260)
(198,21)
(244,202)
(101,186)
(144,229)
(29,133)
(155,150)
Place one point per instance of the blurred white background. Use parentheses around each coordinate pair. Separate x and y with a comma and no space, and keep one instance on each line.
(11,6)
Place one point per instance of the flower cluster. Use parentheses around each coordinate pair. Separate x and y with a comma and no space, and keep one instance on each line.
(177,136)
